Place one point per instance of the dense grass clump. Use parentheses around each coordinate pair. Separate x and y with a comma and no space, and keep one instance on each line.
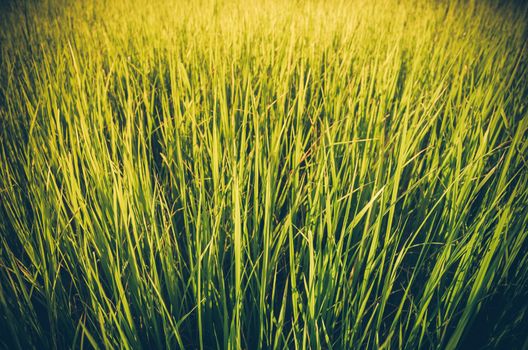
(263,174)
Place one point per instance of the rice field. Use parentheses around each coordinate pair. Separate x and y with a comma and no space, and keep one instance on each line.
(228,174)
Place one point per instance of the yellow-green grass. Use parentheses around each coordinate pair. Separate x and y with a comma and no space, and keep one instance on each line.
(263,174)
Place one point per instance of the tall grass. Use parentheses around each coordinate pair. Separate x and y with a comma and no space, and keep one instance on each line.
(260,174)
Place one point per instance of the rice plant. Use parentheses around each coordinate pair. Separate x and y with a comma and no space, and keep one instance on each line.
(263,174)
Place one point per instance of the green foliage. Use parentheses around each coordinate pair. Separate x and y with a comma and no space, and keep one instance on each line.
(263,174)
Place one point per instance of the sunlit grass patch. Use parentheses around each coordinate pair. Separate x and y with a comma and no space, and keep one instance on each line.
(263,174)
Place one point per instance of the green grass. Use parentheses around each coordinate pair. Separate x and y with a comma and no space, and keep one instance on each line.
(263,174)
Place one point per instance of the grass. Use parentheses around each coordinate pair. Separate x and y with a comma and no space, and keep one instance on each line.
(229,174)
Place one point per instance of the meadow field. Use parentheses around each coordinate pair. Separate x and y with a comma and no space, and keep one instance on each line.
(230,174)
